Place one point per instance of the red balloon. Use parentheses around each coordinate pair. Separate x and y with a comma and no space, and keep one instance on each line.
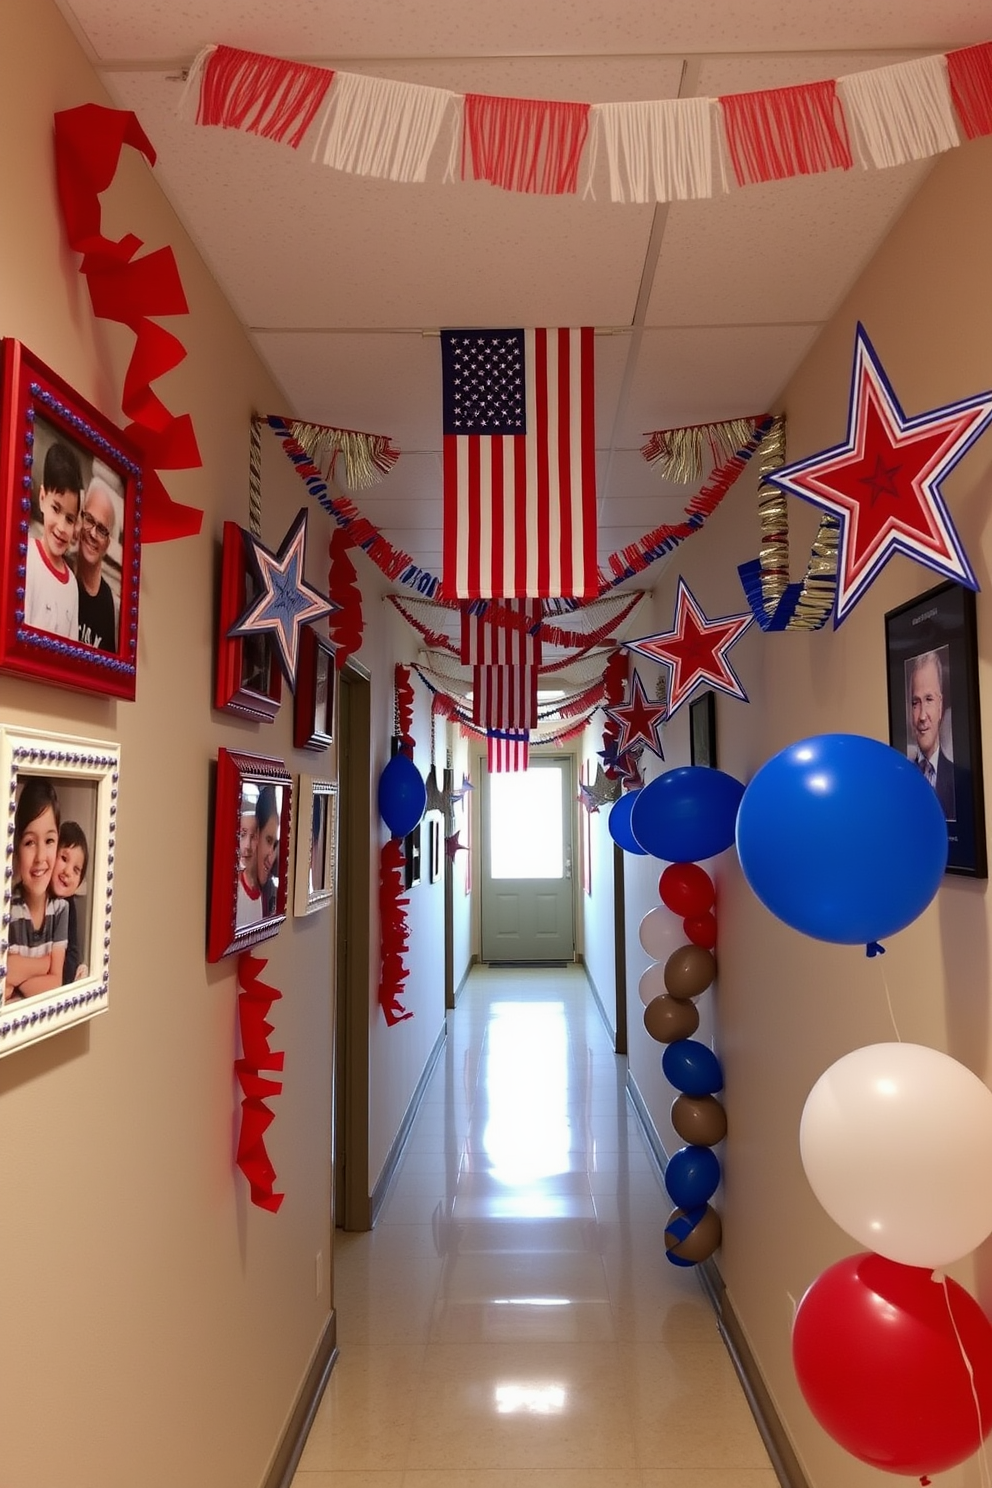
(701,930)
(880,1367)
(686,889)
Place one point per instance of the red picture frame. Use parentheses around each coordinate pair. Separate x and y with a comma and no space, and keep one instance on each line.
(247,678)
(69,558)
(249,875)
(313,697)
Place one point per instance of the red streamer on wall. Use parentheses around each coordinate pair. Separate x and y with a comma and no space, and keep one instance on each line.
(404,709)
(615,685)
(524,144)
(267,96)
(394,932)
(786,132)
(254,1002)
(970,71)
(88,144)
(345,624)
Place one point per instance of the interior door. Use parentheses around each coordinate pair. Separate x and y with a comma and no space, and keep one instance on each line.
(527,909)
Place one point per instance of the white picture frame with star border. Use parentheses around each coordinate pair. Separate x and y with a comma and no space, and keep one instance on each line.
(60,799)
(931,658)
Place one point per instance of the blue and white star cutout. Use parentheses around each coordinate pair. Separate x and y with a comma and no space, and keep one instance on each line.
(285,602)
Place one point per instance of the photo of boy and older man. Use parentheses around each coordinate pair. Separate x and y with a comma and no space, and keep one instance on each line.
(72,580)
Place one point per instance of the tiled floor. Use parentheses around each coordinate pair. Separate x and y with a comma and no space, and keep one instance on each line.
(512,1321)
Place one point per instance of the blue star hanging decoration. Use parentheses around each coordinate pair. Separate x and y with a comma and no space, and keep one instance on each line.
(883,483)
(283,602)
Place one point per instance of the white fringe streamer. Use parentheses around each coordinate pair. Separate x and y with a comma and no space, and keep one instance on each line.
(190,96)
(900,113)
(379,127)
(656,151)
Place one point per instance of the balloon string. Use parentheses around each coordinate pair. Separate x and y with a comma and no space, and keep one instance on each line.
(888,999)
(983,1462)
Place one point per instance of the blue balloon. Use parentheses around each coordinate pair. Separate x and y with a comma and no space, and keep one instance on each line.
(619,824)
(842,838)
(402,795)
(692,1176)
(692,1067)
(687,814)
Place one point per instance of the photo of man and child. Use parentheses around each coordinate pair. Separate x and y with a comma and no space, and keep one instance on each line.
(47,938)
(72,585)
(258,853)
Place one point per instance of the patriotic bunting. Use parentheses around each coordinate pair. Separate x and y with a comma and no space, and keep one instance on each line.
(656,150)
(505,697)
(507,634)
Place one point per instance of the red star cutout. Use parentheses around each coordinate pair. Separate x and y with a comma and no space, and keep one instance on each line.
(883,483)
(452,845)
(695,650)
(638,721)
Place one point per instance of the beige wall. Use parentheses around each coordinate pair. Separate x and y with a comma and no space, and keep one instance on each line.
(786,1006)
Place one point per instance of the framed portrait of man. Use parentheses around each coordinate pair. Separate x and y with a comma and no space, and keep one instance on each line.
(934,717)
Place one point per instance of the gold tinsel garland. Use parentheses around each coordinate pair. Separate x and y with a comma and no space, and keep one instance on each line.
(367,457)
(678,453)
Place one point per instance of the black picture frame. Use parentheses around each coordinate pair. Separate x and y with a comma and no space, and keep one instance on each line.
(702,730)
(412,858)
(932,641)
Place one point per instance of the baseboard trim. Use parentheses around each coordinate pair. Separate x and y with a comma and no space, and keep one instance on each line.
(385,1178)
(597,999)
(287,1456)
(767,1419)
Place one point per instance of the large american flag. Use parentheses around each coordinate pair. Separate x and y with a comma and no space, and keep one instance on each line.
(519,464)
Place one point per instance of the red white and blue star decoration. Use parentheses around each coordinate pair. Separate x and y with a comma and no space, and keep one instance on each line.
(695,650)
(284,601)
(883,483)
(638,720)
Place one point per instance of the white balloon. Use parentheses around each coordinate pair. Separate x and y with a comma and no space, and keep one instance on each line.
(661,933)
(896,1140)
(652,983)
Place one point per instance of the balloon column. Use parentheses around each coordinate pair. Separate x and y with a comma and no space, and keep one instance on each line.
(684,968)
(842,838)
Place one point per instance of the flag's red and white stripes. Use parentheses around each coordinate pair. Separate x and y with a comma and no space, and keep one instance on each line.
(507,751)
(520,510)
(505,697)
(503,634)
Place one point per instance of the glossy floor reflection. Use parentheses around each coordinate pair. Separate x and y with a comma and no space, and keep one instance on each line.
(512,1321)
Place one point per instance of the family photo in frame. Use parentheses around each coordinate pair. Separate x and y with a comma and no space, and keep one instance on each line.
(69,535)
(250,860)
(58,882)
(931,651)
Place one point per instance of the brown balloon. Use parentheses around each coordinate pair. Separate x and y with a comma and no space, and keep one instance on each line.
(699,1120)
(667,1020)
(689,971)
(701,1241)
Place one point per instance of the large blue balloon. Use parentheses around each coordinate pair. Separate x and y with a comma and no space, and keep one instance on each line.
(842,838)
(692,1067)
(619,824)
(692,1176)
(687,814)
(402,795)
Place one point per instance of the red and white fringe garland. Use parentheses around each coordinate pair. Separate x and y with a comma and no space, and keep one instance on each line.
(254,1002)
(657,150)
(524,144)
(262,95)
(394,932)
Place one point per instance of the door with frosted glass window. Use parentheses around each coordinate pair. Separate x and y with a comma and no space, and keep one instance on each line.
(527,907)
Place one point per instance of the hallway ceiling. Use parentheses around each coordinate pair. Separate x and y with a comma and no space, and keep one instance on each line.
(705,308)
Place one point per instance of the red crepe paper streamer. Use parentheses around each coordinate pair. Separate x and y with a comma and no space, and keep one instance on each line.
(345,624)
(88,144)
(970,72)
(394,933)
(254,1002)
(261,95)
(404,709)
(784,132)
(524,144)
